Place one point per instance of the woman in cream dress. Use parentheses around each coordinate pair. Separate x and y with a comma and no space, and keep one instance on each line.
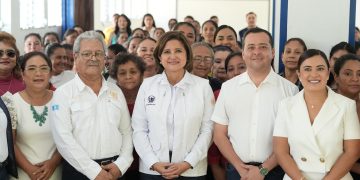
(317,131)
(35,150)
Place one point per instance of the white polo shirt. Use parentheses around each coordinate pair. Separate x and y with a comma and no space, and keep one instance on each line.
(87,126)
(250,112)
(3,141)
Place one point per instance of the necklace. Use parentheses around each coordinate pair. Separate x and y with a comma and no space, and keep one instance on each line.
(39,118)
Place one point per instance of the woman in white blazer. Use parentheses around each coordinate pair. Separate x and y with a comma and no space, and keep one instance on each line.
(171,118)
(317,132)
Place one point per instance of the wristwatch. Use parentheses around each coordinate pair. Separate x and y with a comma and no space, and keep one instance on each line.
(263,171)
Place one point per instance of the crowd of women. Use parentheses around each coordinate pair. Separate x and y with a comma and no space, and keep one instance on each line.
(169,80)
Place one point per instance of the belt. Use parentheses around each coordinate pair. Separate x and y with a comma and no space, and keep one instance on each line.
(253,163)
(3,164)
(106,161)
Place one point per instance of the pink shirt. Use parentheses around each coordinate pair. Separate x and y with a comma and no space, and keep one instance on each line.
(12,85)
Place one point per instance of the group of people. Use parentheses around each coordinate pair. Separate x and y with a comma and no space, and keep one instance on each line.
(177,105)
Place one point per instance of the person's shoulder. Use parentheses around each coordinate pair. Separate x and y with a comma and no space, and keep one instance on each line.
(152,80)
(66,87)
(285,83)
(198,79)
(338,98)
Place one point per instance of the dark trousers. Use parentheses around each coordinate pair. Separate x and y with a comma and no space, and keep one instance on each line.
(158,177)
(3,174)
(70,172)
(275,174)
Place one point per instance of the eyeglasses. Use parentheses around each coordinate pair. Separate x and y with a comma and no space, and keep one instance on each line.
(9,53)
(90,54)
(34,69)
(205,59)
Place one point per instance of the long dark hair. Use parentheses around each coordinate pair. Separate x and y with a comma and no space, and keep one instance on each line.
(128,27)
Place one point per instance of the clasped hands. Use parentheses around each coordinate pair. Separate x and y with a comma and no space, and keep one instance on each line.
(109,172)
(249,172)
(171,170)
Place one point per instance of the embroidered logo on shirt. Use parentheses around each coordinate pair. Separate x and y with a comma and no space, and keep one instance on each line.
(55,107)
(114,95)
(151,100)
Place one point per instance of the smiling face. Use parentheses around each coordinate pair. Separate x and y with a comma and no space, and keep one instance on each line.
(188,32)
(291,54)
(348,80)
(173,57)
(37,73)
(90,60)
(257,52)
(314,73)
(59,59)
(226,37)
(202,61)
(7,63)
(146,51)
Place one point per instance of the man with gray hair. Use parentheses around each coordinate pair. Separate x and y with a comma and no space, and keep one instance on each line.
(90,120)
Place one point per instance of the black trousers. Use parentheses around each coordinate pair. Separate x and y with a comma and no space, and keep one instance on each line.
(70,172)
(3,174)
(275,174)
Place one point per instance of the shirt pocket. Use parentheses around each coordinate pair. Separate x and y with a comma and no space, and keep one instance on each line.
(114,112)
(82,115)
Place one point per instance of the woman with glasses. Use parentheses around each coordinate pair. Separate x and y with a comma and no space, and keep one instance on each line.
(35,150)
(10,77)
(203,60)
(57,54)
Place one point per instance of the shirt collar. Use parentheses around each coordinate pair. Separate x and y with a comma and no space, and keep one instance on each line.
(82,86)
(186,80)
(270,78)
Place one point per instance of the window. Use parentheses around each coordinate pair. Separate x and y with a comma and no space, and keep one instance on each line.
(54,14)
(34,15)
(5,14)
(108,8)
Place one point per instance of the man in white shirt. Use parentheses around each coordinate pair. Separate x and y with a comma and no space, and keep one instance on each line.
(90,119)
(246,109)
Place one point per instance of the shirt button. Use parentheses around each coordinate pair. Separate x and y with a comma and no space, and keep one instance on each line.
(322,160)
(303,159)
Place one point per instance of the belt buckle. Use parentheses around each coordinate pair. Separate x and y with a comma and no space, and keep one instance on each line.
(106,162)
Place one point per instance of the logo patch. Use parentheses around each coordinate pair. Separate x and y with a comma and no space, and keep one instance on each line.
(55,107)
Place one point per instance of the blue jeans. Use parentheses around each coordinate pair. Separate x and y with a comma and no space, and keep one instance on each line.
(275,174)
(3,174)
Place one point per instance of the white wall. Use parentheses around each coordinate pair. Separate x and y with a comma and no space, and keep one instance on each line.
(230,12)
(357,18)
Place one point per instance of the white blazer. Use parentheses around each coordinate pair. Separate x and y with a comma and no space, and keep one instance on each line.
(315,148)
(192,124)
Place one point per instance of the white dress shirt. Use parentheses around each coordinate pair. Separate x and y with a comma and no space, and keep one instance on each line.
(316,147)
(62,78)
(3,140)
(87,126)
(191,125)
(250,112)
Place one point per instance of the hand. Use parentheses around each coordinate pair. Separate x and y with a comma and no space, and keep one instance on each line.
(104,175)
(176,170)
(253,173)
(113,170)
(31,172)
(161,167)
(45,170)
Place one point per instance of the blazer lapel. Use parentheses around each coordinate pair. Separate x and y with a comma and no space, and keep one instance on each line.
(301,118)
(11,166)
(326,114)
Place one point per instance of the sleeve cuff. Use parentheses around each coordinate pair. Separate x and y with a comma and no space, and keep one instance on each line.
(92,170)
(122,164)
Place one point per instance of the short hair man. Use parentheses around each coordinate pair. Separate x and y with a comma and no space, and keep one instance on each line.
(90,120)
(245,112)
(251,23)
